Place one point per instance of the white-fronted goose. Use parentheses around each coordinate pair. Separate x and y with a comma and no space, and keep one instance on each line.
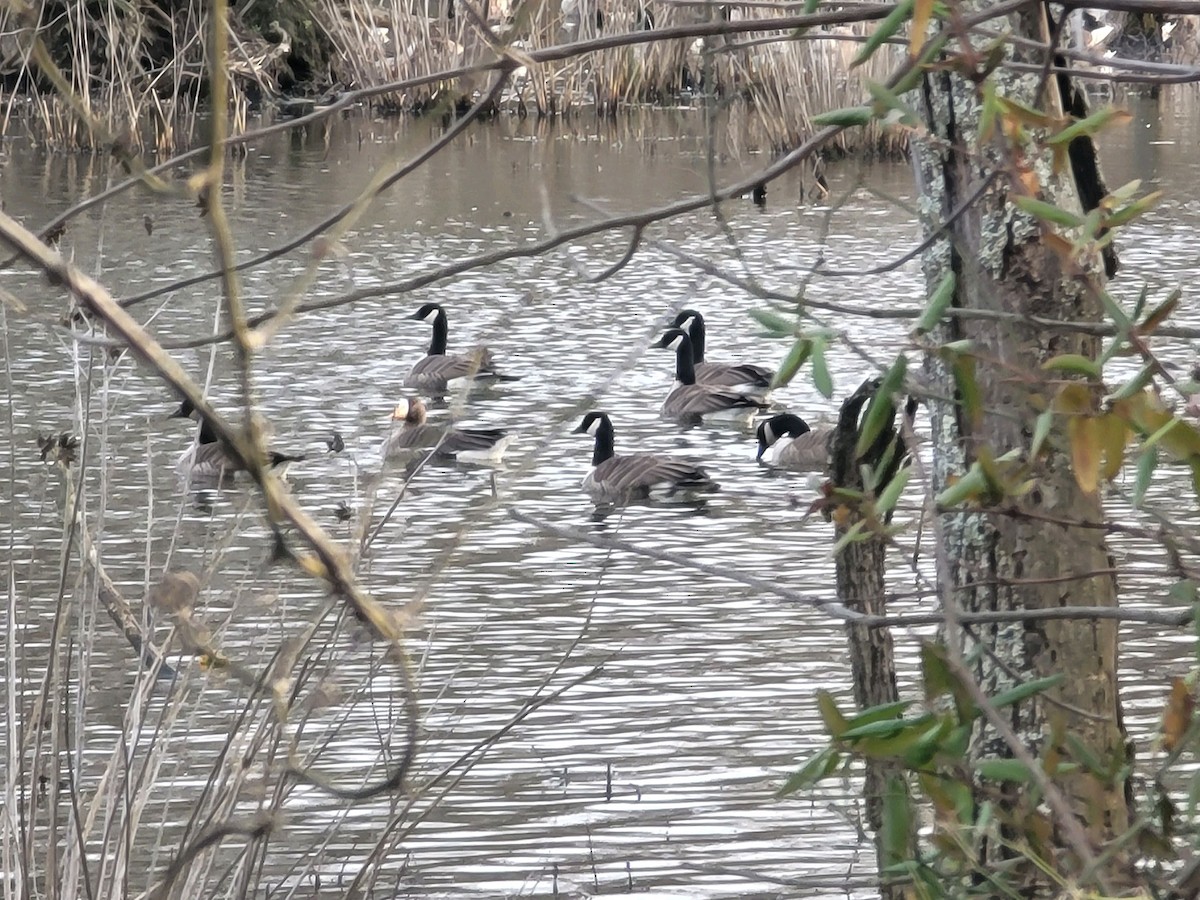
(639,476)
(411,437)
(745,377)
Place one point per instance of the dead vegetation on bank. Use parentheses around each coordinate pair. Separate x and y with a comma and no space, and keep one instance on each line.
(137,72)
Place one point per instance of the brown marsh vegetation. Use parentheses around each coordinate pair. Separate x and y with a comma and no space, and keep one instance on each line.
(137,72)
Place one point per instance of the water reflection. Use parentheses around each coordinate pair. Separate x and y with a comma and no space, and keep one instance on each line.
(657,773)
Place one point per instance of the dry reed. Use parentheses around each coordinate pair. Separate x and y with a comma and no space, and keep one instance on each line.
(138,70)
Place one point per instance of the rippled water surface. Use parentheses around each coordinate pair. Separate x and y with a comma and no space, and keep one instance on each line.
(654,776)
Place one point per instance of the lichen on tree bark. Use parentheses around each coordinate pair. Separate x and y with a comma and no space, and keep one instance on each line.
(1000,559)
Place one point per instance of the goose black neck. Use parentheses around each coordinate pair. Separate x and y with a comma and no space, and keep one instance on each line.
(441,330)
(604,443)
(685,366)
(696,333)
(207,435)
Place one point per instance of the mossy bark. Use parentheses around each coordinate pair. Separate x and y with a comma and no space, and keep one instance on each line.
(1046,548)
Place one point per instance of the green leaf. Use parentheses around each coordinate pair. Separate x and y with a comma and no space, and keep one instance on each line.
(883,712)
(778,325)
(852,535)
(791,364)
(886,101)
(1183,591)
(891,492)
(881,407)
(820,766)
(887,29)
(1116,313)
(835,722)
(1003,770)
(897,822)
(1082,754)
(847,117)
(989,110)
(1091,125)
(915,74)
(964,347)
(1041,431)
(1128,213)
(1137,384)
(1140,304)
(1026,690)
(1047,212)
(927,745)
(971,486)
(1147,463)
(1073,362)
(1160,313)
(820,371)
(969,395)
(885,728)
(939,301)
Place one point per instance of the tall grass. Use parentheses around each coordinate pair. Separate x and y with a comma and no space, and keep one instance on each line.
(136,74)
(785,81)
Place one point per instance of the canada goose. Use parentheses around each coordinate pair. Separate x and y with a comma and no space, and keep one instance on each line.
(411,436)
(745,377)
(207,459)
(619,479)
(434,373)
(688,400)
(786,442)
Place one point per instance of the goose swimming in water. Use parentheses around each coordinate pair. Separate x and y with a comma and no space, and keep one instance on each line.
(207,459)
(744,377)
(411,437)
(691,401)
(786,441)
(434,373)
(639,476)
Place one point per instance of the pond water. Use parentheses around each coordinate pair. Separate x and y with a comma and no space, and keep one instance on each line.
(655,776)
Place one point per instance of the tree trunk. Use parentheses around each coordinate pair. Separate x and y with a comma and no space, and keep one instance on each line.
(1033,551)
(860,585)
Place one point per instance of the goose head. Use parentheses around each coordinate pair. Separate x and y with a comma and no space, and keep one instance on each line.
(593,424)
(430,313)
(673,339)
(410,412)
(686,318)
(186,410)
(777,427)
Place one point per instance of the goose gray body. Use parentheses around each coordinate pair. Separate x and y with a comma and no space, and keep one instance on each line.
(689,400)
(207,459)
(434,374)
(785,441)
(638,476)
(745,377)
(412,436)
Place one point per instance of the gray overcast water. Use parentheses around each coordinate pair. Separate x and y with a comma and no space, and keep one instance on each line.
(706,698)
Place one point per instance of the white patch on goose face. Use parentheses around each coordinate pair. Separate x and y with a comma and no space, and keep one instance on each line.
(401,411)
(687,323)
(675,342)
(432,315)
(594,427)
(768,434)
